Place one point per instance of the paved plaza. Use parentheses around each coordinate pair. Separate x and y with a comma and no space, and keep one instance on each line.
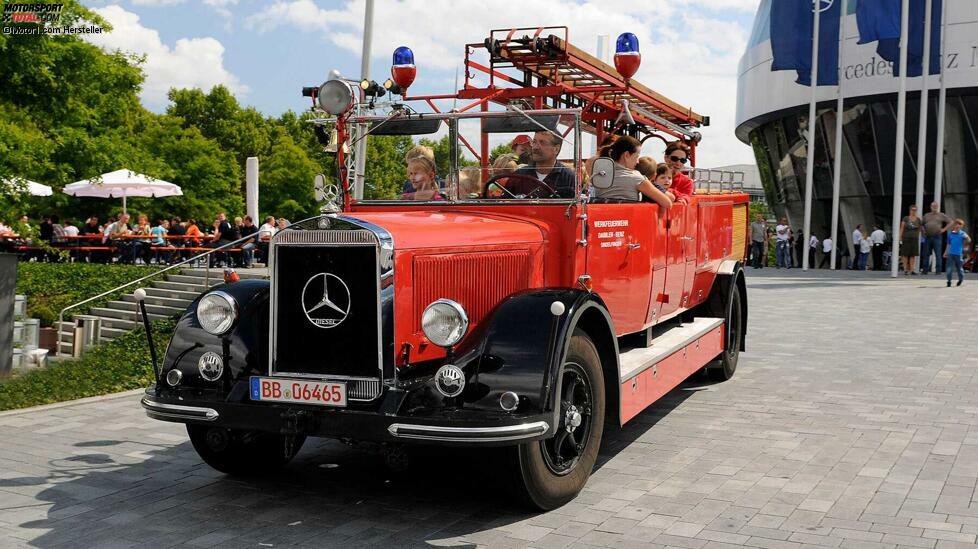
(852,422)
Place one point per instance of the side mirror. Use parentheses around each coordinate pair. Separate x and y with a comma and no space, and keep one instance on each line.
(603,173)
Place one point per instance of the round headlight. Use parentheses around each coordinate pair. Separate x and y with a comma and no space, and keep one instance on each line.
(217,312)
(444,322)
(335,97)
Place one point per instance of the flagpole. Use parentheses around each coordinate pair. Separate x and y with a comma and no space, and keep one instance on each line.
(922,125)
(810,166)
(941,111)
(837,167)
(900,138)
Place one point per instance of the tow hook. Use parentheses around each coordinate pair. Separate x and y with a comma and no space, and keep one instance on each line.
(290,428)
(397,458)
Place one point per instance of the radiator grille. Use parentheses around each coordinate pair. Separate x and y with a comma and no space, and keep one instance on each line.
(362,389)
(739,246)
(325,237)
(478,281)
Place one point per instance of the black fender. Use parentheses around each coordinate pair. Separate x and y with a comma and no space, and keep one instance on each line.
(244,347)
(521,346)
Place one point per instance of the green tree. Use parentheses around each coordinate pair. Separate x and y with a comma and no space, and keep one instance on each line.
(286,179)
(385,172)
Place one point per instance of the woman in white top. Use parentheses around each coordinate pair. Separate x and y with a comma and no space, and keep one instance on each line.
(628,184)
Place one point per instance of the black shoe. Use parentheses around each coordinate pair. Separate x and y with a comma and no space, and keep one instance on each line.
(959,282)
(949,284)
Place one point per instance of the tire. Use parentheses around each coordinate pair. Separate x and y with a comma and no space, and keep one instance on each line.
(242,453)
(725,303)
(551,472)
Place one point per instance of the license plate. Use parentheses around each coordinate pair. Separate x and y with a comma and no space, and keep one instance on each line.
(321,393)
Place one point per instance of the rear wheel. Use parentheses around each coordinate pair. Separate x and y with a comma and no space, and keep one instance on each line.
(551,472)
(243,453)
(725,304)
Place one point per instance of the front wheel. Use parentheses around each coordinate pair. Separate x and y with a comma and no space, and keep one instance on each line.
(243,453)
(551,472)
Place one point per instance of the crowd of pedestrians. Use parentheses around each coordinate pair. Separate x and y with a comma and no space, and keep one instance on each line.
(124,240)
(934,239)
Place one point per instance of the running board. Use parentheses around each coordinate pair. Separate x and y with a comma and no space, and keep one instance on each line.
(647,374)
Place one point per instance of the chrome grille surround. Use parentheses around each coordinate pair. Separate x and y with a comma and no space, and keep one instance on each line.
(309,233)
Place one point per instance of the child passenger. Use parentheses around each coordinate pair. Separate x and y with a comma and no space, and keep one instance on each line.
(954,253)
(421,175)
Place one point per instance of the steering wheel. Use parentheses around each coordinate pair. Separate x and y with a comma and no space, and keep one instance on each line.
(518,185)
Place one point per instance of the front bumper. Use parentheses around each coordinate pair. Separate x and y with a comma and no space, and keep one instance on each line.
(455,427)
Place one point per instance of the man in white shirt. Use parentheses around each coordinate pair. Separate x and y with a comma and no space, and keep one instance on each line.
(265,233)
(826,252)
(782,232)
(857,238)
(878,239)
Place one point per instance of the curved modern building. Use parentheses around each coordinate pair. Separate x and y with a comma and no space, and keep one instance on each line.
(772,117)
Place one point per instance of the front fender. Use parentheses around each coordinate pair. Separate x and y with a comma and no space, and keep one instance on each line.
(522,345)
(244,348)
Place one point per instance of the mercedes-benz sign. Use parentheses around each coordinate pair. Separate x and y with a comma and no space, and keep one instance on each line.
(326,300)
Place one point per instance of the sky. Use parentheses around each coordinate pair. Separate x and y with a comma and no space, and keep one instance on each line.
(266,51)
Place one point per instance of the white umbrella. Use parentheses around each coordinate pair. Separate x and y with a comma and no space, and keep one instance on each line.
(123,183)
(31,187)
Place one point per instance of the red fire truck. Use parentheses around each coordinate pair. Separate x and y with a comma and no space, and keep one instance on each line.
(481,307)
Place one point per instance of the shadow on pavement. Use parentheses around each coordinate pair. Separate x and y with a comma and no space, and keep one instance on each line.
(330,495)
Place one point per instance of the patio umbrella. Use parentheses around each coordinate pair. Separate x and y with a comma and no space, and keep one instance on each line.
(31,187)
(123,183)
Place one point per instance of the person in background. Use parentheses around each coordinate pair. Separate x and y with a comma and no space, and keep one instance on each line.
(865,247)
(677,155)
(782,250)
(425,152)
(116,233)
(422,174)
(935,225)
(910,241)
(857,238)
(4,229)
(265,234)
(956,238)
(758,241)
(57,231)
(193,234)
(521,146)
(878,238)
(283,224)
(826,253)
(157,232)
(46,229)
(90,227)
(812,250)
(70,229)
(248,247)
(470,182)
(141,248)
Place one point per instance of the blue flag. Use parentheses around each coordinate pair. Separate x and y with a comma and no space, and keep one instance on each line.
(879,20)
(792,27)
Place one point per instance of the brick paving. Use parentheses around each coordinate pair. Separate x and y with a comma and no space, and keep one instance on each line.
(852,422)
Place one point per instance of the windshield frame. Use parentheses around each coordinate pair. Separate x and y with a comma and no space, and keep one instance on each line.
(452,178)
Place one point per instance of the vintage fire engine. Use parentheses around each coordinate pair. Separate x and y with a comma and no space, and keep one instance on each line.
(507,312)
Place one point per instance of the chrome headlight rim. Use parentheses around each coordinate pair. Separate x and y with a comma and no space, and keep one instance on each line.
(463,319)
(225,325)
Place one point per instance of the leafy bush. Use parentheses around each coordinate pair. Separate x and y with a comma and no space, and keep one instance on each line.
(50,287)
(118,365)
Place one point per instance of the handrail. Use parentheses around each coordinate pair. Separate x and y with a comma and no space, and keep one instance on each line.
(138,280)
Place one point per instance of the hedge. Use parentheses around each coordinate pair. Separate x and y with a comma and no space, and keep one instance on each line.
(118,365)
(50,287)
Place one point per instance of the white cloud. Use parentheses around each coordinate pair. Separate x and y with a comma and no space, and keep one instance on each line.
(157,3)
(189,63)
(689,53)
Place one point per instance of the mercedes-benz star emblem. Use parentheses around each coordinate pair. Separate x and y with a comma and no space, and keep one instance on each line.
(326,300)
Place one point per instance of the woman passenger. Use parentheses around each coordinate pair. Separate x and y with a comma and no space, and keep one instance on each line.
(629,184)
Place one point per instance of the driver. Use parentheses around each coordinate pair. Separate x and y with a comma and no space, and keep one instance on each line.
(544,166)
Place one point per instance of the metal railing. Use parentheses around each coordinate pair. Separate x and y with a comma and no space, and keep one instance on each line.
(721,181)
(207,274)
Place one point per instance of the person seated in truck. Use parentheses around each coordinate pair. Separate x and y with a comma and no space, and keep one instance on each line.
(544,166)
(677,155)
(629,184)
(426,152)
(422,176)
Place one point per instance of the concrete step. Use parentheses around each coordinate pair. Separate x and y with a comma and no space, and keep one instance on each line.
(124,319)
(188,295)
(219,273)
(162,298)
(151,308)
(179,286)
(215,279)
(108,334)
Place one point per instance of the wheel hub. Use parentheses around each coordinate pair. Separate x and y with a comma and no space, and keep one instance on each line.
(572,418)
